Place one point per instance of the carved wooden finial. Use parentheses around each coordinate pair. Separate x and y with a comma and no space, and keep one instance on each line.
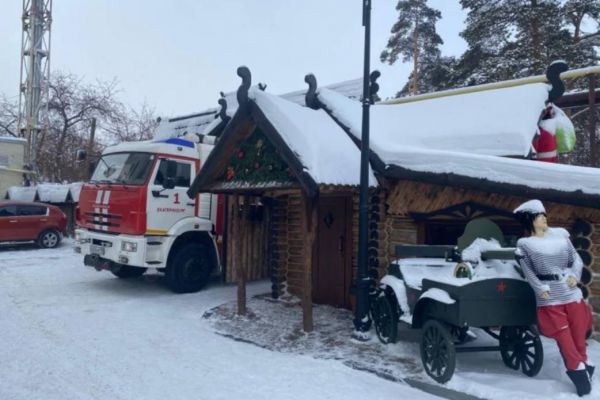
(373,85)
(242,92)
(311,98)
(223,111)
(553,74)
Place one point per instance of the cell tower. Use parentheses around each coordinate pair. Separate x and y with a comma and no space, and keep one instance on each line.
(35,75)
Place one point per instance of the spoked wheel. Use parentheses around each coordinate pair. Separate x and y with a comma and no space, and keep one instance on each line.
(437,351)
(384,313)
(521,348)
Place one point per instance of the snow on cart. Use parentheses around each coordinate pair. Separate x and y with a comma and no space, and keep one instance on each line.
(445,290)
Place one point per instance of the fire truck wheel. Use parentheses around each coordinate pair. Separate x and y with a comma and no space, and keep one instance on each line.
(125,271)
(189,269)
(49,239)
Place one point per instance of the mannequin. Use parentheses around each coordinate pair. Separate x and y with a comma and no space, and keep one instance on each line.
(553,268)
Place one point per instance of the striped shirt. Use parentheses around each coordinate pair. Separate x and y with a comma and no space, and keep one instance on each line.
(552,254)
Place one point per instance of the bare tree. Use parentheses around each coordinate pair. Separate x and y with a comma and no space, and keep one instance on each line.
(71,107)
(128,124)
(9,116)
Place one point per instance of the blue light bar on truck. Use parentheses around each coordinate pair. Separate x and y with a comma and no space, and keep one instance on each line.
(176,142)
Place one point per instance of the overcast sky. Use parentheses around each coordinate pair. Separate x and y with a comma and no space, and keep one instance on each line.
(177,55)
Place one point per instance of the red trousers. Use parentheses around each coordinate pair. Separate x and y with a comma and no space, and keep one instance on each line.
(568,325)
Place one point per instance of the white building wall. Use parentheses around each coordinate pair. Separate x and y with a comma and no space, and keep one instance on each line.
(12,151)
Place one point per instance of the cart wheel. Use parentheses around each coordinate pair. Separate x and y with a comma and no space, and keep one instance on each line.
(384,313)
(437,351)
(520,347)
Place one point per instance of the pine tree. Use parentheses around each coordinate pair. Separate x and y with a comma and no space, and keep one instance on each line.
(580,48)
(510,39)
(415,39)
(435,76)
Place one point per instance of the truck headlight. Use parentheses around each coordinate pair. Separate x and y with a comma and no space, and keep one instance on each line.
(79,238)
(129,246)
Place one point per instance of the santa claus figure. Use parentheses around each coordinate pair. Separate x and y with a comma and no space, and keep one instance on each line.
(545,142)
(553,269)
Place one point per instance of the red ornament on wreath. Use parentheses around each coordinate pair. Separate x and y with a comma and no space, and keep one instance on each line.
(241,154)
(230,173)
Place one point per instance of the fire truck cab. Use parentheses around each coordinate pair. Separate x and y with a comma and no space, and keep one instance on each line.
(135,214)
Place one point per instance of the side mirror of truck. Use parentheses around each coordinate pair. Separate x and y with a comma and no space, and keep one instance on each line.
(80,155)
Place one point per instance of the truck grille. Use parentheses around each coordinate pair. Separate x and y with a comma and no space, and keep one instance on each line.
(103,221)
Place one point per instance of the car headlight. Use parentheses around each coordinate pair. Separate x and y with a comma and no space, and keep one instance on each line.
(129,246)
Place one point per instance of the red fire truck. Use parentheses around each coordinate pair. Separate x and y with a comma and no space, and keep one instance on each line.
(135,214)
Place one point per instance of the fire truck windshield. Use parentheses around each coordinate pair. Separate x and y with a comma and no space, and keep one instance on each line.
(123,168)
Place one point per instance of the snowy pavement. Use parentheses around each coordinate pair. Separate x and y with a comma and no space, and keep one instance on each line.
(277,325)
(69,332)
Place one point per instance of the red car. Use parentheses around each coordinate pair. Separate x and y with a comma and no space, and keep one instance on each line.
(22,221)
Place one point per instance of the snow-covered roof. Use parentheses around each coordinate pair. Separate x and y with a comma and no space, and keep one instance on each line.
(46,192)
(178,126)
(500,122)
(11,139)
(206,121)
(53,193)
(75,189)
(323,148)
(500,170)
(351,89)
(27,193)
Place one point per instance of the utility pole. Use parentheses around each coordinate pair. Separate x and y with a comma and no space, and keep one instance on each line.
(35,75)
(362,323)
(90,149)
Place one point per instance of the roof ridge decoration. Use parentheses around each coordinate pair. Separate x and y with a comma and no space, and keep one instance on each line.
(553,75)
(311,99)
(242,92)
(373,85)
(223,111)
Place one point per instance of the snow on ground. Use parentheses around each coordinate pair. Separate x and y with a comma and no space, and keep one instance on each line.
(277,325)
(69,332)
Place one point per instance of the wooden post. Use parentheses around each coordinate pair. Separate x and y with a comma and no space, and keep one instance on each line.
(594,145)
(242,253)
(309,222)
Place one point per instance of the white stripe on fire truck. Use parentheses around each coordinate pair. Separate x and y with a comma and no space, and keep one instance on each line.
(106,197)
(99,196)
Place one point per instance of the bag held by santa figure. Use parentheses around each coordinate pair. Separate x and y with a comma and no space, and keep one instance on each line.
(558,124)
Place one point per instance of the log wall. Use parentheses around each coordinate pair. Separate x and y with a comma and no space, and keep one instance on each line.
(407,197)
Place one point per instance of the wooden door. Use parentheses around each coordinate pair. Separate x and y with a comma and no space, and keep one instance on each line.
(332,268)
